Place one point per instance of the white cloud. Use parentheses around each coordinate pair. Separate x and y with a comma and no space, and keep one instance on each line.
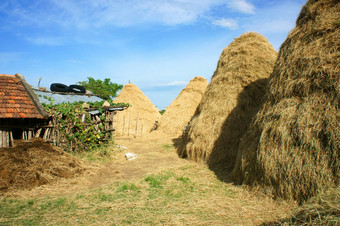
(228,23)
(88,13)
(242,6)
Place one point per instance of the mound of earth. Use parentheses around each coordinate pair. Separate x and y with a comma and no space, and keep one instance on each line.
(33,164)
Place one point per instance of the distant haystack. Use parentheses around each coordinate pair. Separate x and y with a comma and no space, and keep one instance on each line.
(139,118)
(230,101)
(293,145)
(180,111)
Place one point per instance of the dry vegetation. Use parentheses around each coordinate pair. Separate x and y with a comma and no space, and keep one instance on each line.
(34,164)
(282,135)
(293,145)
(180,111)
(141,114)
(155,188)
(231,99)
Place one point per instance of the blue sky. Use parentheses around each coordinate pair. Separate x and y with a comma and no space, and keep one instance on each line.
(157,44)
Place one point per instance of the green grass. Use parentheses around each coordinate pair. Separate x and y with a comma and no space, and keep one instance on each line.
(105,153)
(188,194)
(166,197)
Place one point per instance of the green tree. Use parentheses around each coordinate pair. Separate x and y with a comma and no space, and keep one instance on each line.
(105,89)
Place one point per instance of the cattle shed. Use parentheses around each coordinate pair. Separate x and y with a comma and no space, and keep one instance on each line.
(20,110)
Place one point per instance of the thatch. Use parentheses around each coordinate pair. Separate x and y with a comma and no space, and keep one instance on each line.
(180,111)
(230,101)
(139,117)
(293,145)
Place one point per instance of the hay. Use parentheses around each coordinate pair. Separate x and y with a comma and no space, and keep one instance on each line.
(141,114)
(292,146)
(180,111)
(33,164)
(231,99)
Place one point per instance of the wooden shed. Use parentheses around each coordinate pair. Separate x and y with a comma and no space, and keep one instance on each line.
(20,110)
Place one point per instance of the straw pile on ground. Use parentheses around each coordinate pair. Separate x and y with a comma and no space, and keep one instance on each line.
(140,117)
(293,145)
(180,111)
(230,101)
(33,164)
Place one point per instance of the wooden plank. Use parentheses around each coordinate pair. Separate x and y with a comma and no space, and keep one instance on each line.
(116,130)
(46,133)
(37,134)
(1,140)
(83,118)
(5,139)
(11,138)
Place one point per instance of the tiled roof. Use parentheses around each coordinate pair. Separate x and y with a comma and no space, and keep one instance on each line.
(15,101)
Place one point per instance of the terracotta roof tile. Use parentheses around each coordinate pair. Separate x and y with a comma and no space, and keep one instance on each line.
(15,102)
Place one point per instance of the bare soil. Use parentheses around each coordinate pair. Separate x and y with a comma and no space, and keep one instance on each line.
(37,168)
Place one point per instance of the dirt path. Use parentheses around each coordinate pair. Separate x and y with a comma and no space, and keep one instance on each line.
(154,155)
(228,202)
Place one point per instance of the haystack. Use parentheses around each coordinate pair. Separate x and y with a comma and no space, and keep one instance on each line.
(230,101)
(36,163)
(293,145)
(180,111)
(140,117)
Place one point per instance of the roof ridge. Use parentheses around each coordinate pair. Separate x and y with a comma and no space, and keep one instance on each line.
(32,96)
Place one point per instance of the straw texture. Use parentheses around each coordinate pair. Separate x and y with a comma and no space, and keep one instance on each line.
(230,101)
(293,144)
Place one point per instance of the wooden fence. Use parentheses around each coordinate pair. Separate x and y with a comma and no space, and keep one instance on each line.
(129,125)
(51,132)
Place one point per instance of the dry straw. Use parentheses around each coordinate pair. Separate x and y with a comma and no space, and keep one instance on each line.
(180,111)
(293,144)
(139,118)
(230,101)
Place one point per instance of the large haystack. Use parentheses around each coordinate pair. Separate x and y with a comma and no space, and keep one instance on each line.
(180,111)
(140,117)
(230,101)
(293,144)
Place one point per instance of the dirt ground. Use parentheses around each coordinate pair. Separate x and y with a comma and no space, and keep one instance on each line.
(154,154)
(35,169)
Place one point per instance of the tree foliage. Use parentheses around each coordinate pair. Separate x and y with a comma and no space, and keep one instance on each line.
(105,89)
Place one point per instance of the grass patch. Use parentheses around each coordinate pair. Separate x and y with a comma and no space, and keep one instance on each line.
(168,147)
(177,196)
(104,153)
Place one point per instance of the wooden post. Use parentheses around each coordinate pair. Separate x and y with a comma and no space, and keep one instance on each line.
(37,134)
(137,123)
(30,134)
(5,139)
(141,131)
(11,138)
(83,118)
(117,125)
(46,133)
(1,141)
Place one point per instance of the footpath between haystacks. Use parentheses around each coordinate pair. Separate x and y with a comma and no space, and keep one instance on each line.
(157,187)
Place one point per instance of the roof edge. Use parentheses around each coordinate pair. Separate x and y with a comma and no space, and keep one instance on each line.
(32,95)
